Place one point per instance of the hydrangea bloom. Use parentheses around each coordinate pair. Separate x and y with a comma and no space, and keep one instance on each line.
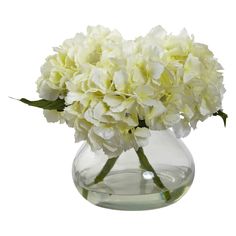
(117,90)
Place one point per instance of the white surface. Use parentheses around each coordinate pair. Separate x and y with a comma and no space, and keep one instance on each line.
(37,195)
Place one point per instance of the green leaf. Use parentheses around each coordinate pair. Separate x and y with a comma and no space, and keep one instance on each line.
(223,115)
(58,104)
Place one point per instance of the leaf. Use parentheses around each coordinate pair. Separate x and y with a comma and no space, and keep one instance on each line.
(58,104)
(223,115)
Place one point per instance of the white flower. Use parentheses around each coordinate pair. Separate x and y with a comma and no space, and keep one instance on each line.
(99,80)
(110,84)
(53,116)
(141,136)
(192,68)
(181,129)
(120,80)
(155,70)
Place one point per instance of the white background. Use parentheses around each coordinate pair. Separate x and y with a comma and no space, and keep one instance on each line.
(37,194)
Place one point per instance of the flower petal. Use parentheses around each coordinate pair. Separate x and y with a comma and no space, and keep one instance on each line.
(181,129)
(155,70)
(52,115)
(112,100)
(142,132)
(104,132)
(192,68)
(120,80)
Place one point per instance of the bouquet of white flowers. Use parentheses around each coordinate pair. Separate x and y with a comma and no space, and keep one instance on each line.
(113,91)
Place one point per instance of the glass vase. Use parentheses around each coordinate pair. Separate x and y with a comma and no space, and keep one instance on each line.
(154,176)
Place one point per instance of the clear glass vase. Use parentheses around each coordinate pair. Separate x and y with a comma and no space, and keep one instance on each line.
(154,176)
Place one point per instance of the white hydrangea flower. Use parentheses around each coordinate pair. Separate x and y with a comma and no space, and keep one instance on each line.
(111,86)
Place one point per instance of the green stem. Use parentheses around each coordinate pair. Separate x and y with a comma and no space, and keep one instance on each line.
(102,174)
(105,170)
(156,179)
(85,193)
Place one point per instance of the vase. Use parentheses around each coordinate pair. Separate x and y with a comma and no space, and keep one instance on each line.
(153,176)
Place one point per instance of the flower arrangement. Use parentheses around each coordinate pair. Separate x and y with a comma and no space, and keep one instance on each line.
(114,91)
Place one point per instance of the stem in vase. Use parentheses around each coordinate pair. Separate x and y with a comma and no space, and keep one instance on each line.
(102,174)
(144,164)
(105,170)
(85,193)
(156,179)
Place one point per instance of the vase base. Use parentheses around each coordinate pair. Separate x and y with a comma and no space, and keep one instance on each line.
(134,189)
